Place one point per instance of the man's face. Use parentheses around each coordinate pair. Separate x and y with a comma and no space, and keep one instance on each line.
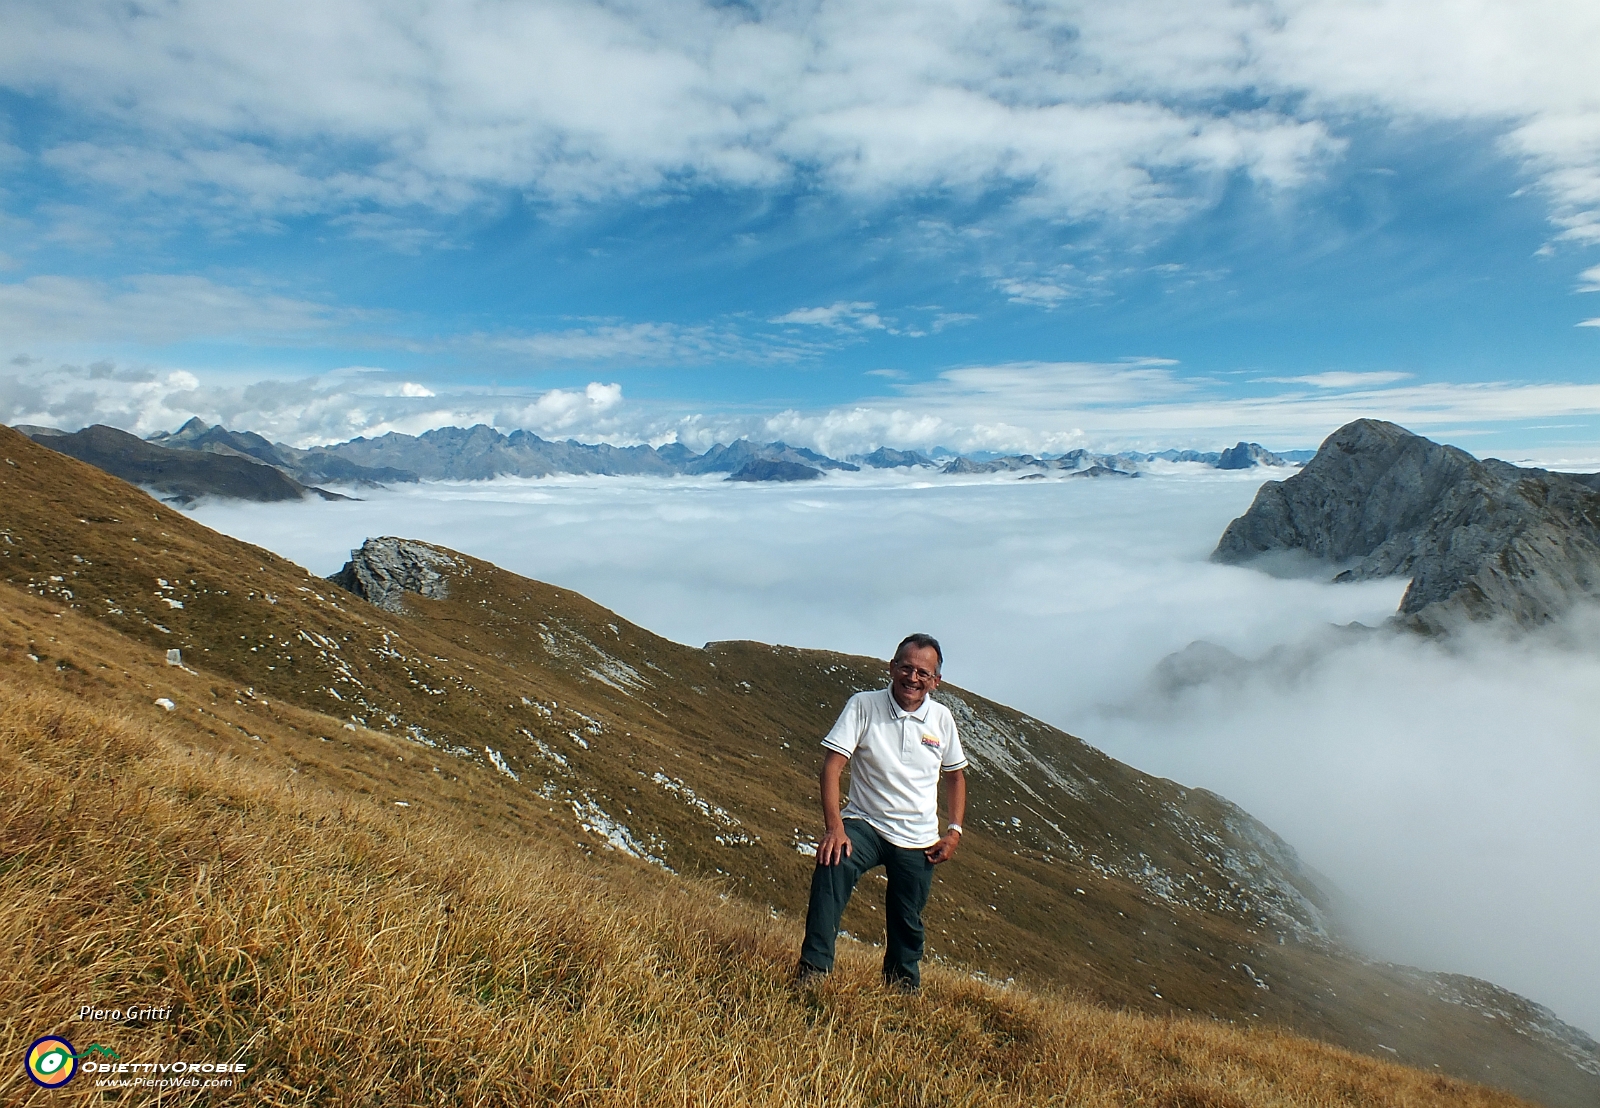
(913,674)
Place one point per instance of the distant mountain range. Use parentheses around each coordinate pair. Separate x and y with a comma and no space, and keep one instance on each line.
(481,453)
(1479,539)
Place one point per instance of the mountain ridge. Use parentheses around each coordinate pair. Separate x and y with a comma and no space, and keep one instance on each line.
(182,476)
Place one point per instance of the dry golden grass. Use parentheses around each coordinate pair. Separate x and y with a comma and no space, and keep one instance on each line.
(353,956)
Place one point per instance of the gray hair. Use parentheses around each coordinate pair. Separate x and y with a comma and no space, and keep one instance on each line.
(918,639)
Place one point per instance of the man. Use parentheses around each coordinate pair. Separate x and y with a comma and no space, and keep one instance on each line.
(897,741)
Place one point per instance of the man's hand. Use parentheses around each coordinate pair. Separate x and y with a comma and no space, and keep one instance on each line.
(944,849)
(835,846)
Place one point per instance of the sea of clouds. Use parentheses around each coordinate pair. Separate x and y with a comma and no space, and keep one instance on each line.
(1447,791)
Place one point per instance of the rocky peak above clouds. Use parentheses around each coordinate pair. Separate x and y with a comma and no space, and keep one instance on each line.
(1247,455)
(1479,539)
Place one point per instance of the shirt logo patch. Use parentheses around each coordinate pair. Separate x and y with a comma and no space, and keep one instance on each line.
(931,741)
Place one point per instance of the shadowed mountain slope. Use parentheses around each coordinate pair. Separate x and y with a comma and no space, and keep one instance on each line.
(1479,540)
(181,476)
(526,712)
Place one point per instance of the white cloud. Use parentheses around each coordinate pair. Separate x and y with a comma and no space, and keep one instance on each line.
(841,315)
(856,317)
(1590,323)
(1074,111)
(302,411)
(1040,294)
(439,108)
(1337,379)
(1589,279)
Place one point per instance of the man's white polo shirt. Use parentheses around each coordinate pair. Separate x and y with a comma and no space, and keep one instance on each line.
(895,760)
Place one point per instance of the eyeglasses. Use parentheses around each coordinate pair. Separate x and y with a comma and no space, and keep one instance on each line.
(911,670)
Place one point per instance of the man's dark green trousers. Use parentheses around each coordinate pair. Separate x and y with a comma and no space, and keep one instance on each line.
(910,877)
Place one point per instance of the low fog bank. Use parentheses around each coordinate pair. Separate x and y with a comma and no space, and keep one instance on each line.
(1450,794)
(1050,595)
(1450,790)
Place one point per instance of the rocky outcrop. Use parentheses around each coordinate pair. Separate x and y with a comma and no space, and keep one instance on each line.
(1479,539)
(385,569)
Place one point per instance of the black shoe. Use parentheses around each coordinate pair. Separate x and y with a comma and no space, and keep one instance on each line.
(903,985)
(805,973)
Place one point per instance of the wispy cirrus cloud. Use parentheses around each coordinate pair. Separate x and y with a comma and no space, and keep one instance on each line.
(162,310)
(1036,293)
(158,308)
(1339,379)
(862,317)
(841,315)
(638,343)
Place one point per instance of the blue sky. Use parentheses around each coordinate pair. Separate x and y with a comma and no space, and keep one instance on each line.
(977,224)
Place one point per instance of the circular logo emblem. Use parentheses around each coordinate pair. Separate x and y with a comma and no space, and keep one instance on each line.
(52,1062)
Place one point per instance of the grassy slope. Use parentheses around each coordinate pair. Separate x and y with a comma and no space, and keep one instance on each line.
(513,662)
(352,953)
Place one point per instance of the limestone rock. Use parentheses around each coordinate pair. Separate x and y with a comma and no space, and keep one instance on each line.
(385,569)
(1479,539)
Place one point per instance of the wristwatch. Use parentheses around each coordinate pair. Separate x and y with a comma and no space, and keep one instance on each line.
(956,827)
